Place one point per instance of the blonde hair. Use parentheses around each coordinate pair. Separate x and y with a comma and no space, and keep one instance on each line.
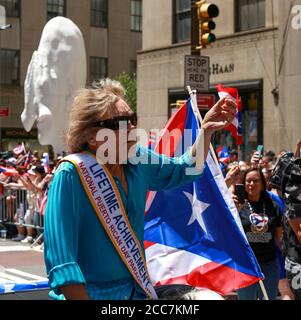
(89,106)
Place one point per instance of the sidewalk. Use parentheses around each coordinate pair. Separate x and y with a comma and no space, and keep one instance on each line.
(9,245)
(22,265)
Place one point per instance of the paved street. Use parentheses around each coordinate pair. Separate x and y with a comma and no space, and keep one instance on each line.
(21,264)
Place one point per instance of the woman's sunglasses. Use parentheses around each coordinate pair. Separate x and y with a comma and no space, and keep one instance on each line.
(114,123)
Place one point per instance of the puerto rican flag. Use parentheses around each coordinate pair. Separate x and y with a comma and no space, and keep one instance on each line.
(42,202)
(236,126)
(223,154)
(8,171)
(193,234)
(153,135)
(45,163)
(28,160)
(19,149)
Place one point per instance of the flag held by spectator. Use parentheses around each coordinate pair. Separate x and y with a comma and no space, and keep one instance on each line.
(223,154)
(28,160)
(236,126)
(8,171)
(45,163)
(19,149)
(193,234)
(152,139)
(42,202)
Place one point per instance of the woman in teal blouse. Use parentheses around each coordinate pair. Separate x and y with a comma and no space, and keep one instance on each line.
(80,258)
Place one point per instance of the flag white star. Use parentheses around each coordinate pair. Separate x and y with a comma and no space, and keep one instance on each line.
(198,207)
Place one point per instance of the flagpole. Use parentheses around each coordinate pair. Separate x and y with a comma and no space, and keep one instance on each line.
(238,145)
(264,292)
(196,110)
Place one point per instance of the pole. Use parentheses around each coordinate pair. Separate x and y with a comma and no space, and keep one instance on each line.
(196,111)
(264,292)
(195,34)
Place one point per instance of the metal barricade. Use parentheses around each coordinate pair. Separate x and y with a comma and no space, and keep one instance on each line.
(17,208)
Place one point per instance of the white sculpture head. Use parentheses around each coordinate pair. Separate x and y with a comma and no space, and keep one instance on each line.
(56,71)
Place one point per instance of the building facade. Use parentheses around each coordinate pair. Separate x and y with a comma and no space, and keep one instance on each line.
(112,31)
(245,55)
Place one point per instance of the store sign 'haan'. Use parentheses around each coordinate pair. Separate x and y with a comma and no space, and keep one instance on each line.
(216,68)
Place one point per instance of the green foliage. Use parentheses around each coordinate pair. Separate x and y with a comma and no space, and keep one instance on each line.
(130,85)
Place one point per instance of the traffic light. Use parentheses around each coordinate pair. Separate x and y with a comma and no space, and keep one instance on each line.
(206,12)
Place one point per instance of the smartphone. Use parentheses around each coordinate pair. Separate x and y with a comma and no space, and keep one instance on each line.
(240,191)
(260,150)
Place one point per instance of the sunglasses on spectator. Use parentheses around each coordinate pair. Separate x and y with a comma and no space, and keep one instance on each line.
(114,123)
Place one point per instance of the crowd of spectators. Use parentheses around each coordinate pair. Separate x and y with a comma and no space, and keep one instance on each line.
(25,176)
(261,210)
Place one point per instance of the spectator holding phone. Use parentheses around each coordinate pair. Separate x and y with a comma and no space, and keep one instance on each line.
(257,158)
(261,221)
(233,176)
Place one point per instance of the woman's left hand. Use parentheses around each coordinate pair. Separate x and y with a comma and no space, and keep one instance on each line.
(220,115)
(232,175)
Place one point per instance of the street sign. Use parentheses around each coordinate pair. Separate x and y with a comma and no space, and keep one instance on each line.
(4,112)
(205,101)
(197,73)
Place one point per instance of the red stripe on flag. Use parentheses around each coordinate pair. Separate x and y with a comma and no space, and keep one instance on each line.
(214,276)
(148,244)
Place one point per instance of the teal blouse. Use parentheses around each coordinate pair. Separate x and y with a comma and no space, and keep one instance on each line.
(77,249)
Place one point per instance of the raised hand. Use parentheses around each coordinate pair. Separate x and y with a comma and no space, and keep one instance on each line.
(232,175)
(220,115)
(255,159)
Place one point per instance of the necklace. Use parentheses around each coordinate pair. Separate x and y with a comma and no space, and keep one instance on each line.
(259,222)
(251,209)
